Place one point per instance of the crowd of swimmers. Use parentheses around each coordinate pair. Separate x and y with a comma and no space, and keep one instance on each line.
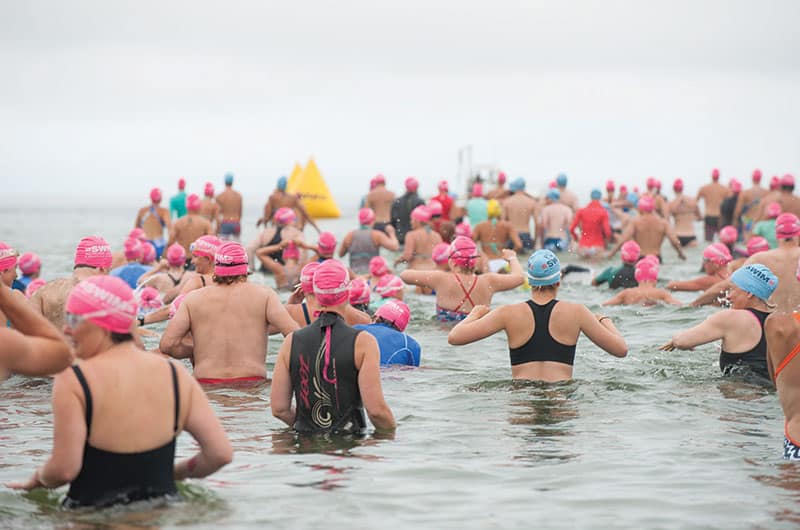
(118,411)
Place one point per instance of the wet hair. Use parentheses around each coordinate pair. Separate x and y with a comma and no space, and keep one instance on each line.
(76,267)
(119,338)
(229,280)
(542,288)
(381,320)
(448,231)
(787,187)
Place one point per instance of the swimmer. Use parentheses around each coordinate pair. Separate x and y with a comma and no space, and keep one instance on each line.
(154,221)
(388,327)
(766,227)
(388,287)
(302,306)
(789,202)
(34,286)
(286,270)
(378,267)
(441,256)
(419,241)
(712,194)
(30,265)
(133,269)
(229,222)
(365,243)
(92,257)
(594,225)
(520,209)
(555,221)
(646,293)
(499,192)
(684,211)
(380,200)
(728,236)
(444,199)
(169,275)
(228,322)
(8,276)
(281,198)
(360,295)
(566,196)
(177,203)
(716,258)
(477,205)
(494,235)
(623,276)
(402,208)
(748,202)
(740,328)
(331,369)
(118,412)
(649,231)
(209,208)
(188,228)
(325,247)
(283,229)
(457,292)
(542,332)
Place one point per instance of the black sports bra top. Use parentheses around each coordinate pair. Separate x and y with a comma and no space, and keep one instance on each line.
(542,346)
(108,478)
(754,358)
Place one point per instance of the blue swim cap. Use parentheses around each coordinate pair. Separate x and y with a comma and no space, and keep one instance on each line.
(755,279)
(229,178)
(596,195)
(281,185)
(633,199)
(554,195)
(561,179)
(543,268)
(518,184)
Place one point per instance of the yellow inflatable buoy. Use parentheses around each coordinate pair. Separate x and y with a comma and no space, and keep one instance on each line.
(291,186)
(314,193)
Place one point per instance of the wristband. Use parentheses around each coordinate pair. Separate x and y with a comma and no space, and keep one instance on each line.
(141,320)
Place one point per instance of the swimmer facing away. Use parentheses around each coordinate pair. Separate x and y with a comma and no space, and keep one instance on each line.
(543,331)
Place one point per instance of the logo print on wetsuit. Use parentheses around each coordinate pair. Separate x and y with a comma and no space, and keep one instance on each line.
(304,372)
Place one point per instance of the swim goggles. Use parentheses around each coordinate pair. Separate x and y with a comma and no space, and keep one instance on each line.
(72,320)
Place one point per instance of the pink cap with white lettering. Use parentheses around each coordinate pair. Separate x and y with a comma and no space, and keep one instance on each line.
(773,210)
(421,213)
(326,244)
(285,216)
(787,226)
(307,277)
(230,260)
(150,298)
(757,244)
(148,253)
(8,257)
(29,263)
(93,251)
(717,253)
(133,249)
(34,286)
(396,312)
(359,291)
(176,255)
(331,283)
(106,301)
(378,266)
(435,208)
(389,286)
(206,246)
(137,233)
(646,270)
(464,252)
(646,204)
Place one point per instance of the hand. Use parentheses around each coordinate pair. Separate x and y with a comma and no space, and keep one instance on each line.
(389,229)
(28,485)
(479,311)
(508,254)
(669,346)
(682,256)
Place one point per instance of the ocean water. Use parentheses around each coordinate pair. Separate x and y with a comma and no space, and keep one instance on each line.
(654,440)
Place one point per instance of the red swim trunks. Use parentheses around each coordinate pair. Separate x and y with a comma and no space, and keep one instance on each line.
(256,379)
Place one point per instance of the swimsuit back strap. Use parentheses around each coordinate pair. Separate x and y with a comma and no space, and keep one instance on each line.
(87,395)
(467,293)
(177,395)
(155,213)
(786,360)
(305,313)
(203,279)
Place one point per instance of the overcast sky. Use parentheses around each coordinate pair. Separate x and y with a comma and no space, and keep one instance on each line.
(120,96)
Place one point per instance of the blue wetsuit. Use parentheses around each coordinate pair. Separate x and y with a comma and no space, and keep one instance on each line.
(396,347)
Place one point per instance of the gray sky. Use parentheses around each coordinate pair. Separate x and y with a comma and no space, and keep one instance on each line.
(121,96)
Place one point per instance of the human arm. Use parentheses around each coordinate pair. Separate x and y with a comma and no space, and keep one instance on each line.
(712,293)
(387,240)
(172,342)
(573,225)
(408,250)
(369,382)
(626,235)
(709,330)
(617,299)
(267,215)
(695,284)
(781,330)
(276,314)
(347,240)
(305,214)
(280,398)
(600,329)
(420,277)
(505,282)
(479,324)
(514,236)
(673,239)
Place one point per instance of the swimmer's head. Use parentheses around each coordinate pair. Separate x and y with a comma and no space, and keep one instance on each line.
(757,244)
(443,186)
(773,210)
(552,185)
(633,198)
(29,263)
(379,179)
(421,214)
(651,183)
(93,251)
(137,233)
(149,253)
(155,195)
(544,269)
(501,178)
(208,191)
(133,249)
(554,195)
(787,226)
(175,305)
(230,260)
(8,257)
(518,184)
(464,229)
(658,185)
(105,301)
(561,180)
(378,266)
(493,209)
(150,298)
(326,244)
(596,195)
(646,204)
(359,292)
(389,286)
(623,190)
(477,190)
(307,277)
(715,174)
(285,216)
(610,185)
(630,252)
(735,186)
(435,207)
(677,186)
(440,253)
(756,176)
(331,283)
(228,179)
(756,279)
(366,216)
(395,313)
(774,183)
(787,182)
(205,246)
(34,286)
(281,184)
(193,203)
(717,253)
(412,184)
(464,252)
(181,183)
(176,255)
(728,234)
(646,271)
(290,252)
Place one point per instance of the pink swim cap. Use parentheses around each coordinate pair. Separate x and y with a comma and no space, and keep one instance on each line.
(787,225)
(658,184)
(193,203)
(326,244)
(307,277)
(230,260)
(378,266)
(34,286)
(176,255)
(773,210)
(715,174)
(359,292)
(150,298)
(652,258)
(646,204)
(553,184)
(421,213)
(148,253)
(728,234)
(678,185)
(208,191)
(206,246)
(106,301)
(331,283)
(412,184)
(651,183)
(137,233)
(155,195)
(396,312)
(645,271)
(379,179)
(372,183)
(464,229)
(630,251)
(623,189)
(435,208)
(787,180)
(756,244)
(389,286)
(610,185)
(290,252)
(181,183)
(8,257)
(175,305)
(717,253)
(477,190)
(133,249)
(501,178)
(440,253)
(774,183)
(464,252)
(756,175)
(735,186)
(443,185)
(366,216)
(93,251)
(29,263)
(285,216)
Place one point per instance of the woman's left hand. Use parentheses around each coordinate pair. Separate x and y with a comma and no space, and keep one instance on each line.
(31,483)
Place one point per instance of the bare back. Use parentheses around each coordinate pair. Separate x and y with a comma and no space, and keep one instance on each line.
(492,237)
(556,219)
(189,228)
(209,209)
(782,262)
(418,249)
(649,232)
(230,205)
(153,220)
(519,209)
(685,212)
(380,200)
(713,194)
(50,299)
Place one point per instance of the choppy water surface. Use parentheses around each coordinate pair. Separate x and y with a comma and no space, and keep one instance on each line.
(655,440)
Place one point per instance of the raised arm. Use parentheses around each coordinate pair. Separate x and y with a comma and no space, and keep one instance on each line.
(506,282)
(420,277)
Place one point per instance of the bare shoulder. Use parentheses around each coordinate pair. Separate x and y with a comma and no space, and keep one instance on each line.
(781,325)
